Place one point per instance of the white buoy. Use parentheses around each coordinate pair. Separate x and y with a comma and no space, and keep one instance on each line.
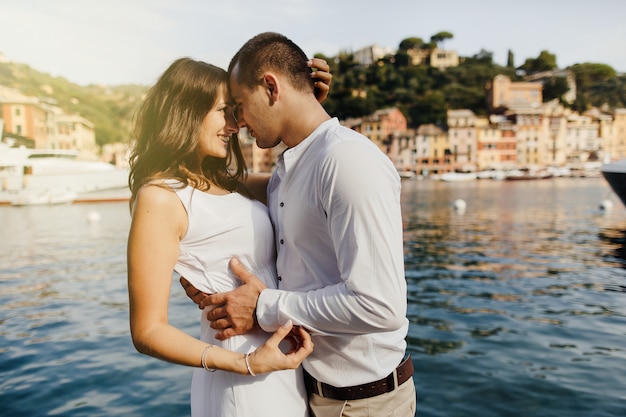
(460,205)
(606,205)
(93,217)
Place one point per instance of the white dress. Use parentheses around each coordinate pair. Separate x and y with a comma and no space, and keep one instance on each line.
(221,227)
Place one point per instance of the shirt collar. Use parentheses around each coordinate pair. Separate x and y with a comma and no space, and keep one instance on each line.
(291,156)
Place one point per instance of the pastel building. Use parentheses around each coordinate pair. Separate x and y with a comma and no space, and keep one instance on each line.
(43,122)
(504,93)
(463,140)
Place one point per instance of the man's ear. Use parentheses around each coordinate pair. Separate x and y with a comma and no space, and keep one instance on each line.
(271,86)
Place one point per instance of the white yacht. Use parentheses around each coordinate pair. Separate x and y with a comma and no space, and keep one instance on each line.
(53,176)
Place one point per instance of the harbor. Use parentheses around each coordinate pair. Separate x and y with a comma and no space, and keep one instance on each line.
(518,301)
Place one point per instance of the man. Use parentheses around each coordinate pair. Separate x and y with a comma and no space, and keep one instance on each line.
(334,200)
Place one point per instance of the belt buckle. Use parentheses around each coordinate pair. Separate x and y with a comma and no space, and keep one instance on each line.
(318,385)
(395,379)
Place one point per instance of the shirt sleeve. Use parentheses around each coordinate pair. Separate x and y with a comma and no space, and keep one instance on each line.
(360,193)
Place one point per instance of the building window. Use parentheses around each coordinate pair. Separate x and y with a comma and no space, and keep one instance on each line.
(18,111)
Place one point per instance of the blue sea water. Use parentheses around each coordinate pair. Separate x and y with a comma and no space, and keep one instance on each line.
(517,306)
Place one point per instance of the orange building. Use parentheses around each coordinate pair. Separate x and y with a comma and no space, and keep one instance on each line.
(24,116)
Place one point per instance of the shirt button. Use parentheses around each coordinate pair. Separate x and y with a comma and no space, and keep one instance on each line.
(282,204)
(280,278)
(282,241)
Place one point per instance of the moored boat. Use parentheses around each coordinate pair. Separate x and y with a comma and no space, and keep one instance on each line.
(615,175)
(406,174)
(52,176)
(525,174)
(458,176)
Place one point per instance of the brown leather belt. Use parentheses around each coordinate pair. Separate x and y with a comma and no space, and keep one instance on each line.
(399,376)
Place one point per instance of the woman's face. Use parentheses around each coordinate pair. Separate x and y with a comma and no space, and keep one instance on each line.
(217,127)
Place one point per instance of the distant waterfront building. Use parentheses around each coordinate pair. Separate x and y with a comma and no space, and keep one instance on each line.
(405,156)
(495,143)
(504,93)
(433,57)
(616,149)
(443,59)
(530,135)
(419,56)
(258,160)
(463,140)
(381,127)
(370,54)
(583,139)
(432,150)
(554,144)
(75,132)
(24,116)
(548,76)
(116,154)
(42,121)
(606,132)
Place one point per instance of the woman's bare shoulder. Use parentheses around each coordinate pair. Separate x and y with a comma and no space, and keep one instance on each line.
(157,194)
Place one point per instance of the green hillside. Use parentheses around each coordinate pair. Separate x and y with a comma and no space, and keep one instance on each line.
(111,109)
(422,93)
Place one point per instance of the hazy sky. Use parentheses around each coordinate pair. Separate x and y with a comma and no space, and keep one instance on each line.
(133,41)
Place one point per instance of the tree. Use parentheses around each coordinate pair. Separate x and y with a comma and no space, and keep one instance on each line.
(544,62)
(482,57)
(411,43)
(588,74)
(510,60)
(555,87)
(440,37)
(597,84)
(430,108)
(611,92)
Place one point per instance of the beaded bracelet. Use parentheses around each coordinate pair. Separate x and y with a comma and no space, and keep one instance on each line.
(248,365)
(203,360)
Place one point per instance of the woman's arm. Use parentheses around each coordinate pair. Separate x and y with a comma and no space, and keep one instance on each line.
(257,185)
(159,222)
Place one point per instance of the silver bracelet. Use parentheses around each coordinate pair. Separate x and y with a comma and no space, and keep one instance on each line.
(203,360)
(248,365)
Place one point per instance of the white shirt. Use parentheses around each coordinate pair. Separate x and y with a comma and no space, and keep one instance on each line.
(334,201)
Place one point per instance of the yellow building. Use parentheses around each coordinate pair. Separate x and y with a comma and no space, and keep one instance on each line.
(495,144)
(617,148)
(529,134)
(553,146)
(463,141)
(583,139)
(432,150)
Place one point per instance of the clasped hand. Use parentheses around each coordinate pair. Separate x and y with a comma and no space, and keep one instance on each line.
(235,311)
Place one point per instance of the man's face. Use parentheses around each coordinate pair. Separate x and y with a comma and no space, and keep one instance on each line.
(253,111)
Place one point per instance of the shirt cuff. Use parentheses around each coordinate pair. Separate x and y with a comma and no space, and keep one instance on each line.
(267,311)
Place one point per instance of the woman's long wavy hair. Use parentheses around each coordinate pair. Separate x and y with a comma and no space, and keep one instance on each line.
(167,131)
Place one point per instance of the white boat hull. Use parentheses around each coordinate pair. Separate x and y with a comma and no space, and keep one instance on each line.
(29,176)
(458,176)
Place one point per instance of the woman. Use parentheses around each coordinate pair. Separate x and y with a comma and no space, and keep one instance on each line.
(191,213)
